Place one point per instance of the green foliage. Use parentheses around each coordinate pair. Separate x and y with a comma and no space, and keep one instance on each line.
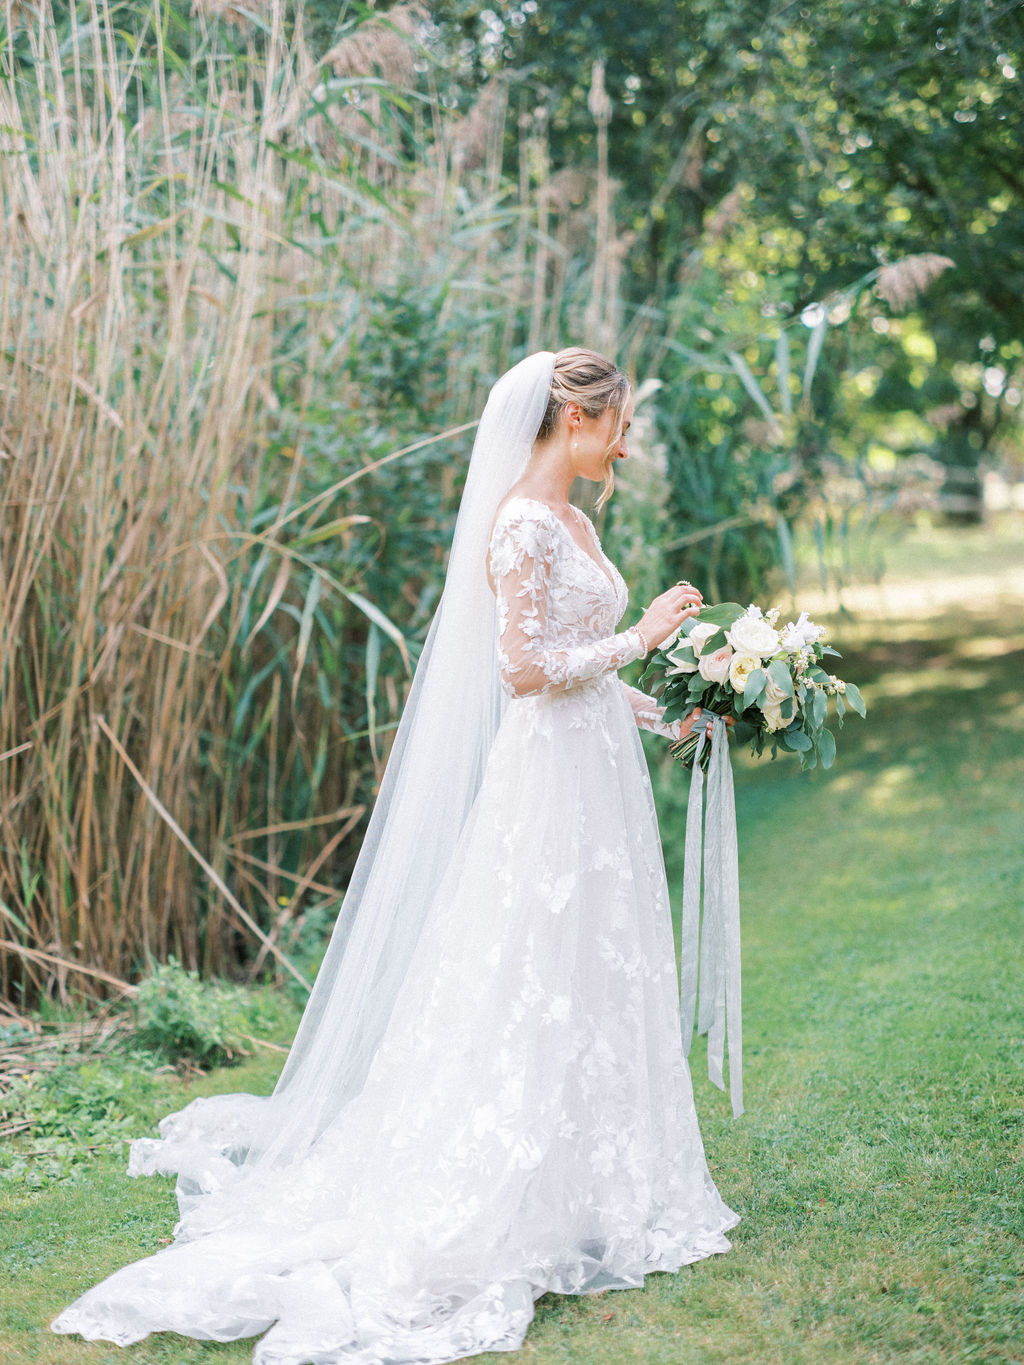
(79,1087)
(181,1017)
(769,158)
(70,1112)
(248,558)
(854,135)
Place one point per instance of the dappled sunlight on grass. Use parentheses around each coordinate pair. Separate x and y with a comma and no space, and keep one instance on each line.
(988,646)
(878,1165)
(910,684)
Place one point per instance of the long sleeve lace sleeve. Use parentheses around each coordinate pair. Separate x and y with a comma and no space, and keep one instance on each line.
(648,714)
(521,556)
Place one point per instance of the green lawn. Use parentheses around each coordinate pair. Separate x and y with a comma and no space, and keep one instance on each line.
(878,1166)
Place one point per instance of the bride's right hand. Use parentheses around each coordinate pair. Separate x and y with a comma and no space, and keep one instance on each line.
(668,612)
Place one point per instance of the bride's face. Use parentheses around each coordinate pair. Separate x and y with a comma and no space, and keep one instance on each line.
(599,441)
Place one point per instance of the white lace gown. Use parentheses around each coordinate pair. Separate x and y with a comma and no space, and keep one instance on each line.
(528,1122)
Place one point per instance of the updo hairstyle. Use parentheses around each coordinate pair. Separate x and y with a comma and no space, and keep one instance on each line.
(585,377)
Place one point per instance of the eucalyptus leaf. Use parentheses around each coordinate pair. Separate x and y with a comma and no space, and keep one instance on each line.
(796,740)
(713,642)
(754,687)
(654,670)
(682,653)
(779,674)
(724,614)
(819,708)
(854,700)
(827,748)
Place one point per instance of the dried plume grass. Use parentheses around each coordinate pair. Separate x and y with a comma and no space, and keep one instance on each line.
(903,282)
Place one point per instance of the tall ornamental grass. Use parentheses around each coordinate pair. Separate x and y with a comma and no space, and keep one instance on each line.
(250,296)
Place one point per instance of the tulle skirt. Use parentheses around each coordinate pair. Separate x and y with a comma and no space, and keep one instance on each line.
(527,1123)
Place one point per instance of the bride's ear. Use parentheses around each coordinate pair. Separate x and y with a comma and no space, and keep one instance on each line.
(573,414)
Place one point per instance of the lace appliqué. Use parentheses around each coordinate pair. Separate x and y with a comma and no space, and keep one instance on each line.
(557,608)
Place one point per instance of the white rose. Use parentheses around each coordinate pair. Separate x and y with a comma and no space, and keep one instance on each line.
(680,663)
(700,635)
(740,669)
(715,667)
(753,635)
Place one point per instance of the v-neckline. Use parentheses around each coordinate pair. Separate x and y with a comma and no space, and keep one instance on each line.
(547,506)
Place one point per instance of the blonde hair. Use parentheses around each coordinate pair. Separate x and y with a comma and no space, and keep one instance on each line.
(590,379)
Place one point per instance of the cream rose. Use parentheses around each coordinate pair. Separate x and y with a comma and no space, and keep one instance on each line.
(700,635)
(715,667)
(753,635)
(773,693)
(772,712)
(740,668)
(771,707)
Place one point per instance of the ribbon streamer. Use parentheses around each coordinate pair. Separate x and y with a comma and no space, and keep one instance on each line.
(720,1013)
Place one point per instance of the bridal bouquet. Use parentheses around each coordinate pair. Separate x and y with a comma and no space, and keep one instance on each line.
(737,662)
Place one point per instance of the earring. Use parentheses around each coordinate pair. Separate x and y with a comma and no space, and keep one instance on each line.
(575,443)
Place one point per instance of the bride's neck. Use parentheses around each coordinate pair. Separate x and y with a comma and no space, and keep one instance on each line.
(548,475)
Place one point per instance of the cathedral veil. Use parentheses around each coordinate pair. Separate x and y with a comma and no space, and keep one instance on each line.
(432,778)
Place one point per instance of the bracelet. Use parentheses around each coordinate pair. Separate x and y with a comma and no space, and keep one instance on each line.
(643,640)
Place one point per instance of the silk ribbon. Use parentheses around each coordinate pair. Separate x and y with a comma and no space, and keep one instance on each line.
(720,1013)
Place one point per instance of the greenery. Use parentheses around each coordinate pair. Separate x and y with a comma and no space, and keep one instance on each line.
(206,531)
(73,1085)
(877,1167)
(765,159)
(69,1114)
(181,1017)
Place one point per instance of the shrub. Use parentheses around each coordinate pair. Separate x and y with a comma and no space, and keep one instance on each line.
(181,1017)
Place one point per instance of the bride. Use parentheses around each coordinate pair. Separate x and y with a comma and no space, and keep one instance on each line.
(487,1098)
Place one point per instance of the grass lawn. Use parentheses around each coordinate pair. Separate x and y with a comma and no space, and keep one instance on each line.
(878,1168)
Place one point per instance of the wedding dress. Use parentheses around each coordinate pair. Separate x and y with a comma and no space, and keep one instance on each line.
(526,1121)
